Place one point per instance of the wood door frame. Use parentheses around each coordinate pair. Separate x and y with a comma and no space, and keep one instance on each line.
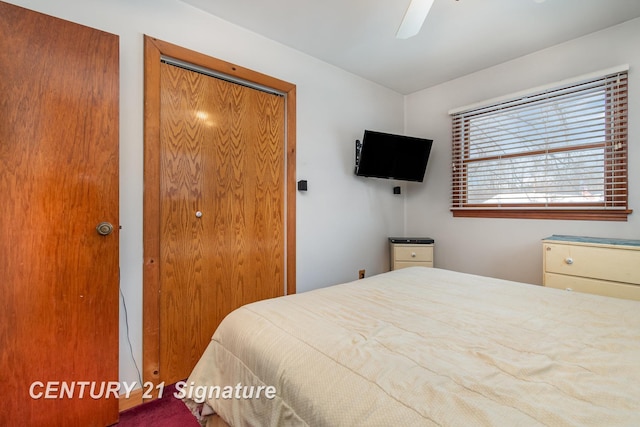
(154,50)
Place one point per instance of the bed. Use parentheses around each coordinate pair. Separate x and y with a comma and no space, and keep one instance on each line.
(426,346)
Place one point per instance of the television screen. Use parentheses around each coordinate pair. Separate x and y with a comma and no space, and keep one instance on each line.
(384,155)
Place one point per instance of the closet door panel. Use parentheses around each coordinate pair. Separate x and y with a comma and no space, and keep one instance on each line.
(222,208)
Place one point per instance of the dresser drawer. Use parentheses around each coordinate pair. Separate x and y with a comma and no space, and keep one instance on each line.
(416,253)
(606,263)
(592,286)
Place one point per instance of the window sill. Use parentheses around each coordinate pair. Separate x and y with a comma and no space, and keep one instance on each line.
(584,215)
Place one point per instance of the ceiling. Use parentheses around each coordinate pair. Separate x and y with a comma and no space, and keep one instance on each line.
(458,37)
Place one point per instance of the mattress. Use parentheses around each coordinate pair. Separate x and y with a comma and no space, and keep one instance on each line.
(425,346)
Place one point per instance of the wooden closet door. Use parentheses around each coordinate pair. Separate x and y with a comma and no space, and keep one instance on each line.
(58,180)
(222,211)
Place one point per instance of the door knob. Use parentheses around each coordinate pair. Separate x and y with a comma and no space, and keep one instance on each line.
(104,228)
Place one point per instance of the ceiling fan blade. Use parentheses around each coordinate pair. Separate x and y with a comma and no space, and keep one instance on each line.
(414,18)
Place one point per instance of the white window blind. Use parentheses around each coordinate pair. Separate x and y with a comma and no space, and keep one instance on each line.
(563,148)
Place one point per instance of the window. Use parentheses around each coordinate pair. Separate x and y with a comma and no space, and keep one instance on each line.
(556,153)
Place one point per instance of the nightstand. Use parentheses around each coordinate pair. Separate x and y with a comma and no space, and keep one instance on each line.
(410,252)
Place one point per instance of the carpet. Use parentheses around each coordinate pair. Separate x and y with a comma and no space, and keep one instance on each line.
(165,412)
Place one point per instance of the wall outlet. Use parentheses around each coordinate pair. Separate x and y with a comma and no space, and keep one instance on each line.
(361,274)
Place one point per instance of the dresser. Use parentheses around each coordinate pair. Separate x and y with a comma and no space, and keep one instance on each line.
(410,252)
(594,265)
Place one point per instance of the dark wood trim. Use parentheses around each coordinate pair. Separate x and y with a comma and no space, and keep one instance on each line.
(154,49)
(151,215)
(218,65)
(132,400)
(291,190)
(568,214)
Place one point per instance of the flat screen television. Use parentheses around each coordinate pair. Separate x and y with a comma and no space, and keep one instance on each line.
(385,155)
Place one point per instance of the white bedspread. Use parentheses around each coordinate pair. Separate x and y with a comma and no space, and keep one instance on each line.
(422,346)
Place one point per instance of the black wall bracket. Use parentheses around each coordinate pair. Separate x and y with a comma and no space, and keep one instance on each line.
(358,148)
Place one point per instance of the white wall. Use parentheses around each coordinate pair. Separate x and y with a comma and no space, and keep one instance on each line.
(511,248)
(343,221)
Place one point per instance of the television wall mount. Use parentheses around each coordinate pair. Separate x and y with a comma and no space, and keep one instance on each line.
(358,149)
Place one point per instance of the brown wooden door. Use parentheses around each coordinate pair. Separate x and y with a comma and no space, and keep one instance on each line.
(58,180)
(222,208)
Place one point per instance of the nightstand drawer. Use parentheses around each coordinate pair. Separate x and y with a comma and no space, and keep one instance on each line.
(417,253)
(403,264)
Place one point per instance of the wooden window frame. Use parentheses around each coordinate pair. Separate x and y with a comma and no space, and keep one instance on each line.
(615,205)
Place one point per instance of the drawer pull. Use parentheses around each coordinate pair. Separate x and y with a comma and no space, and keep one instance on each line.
(413,254)
(569,261)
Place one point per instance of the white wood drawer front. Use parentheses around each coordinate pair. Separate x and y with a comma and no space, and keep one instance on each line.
(403,264)
(618,265)
(592,286)
(421,253)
